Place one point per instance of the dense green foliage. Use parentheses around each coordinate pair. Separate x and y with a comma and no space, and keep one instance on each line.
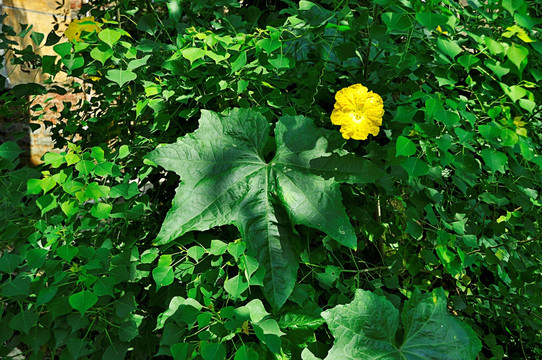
(101,258)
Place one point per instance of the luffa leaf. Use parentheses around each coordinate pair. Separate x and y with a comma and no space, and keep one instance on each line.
(225,180)
(366,329)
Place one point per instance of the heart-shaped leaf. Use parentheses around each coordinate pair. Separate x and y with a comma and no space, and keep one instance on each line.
(404,147)
(24,321)
(518,56)
(495,160)
(120,77)
(101,53)
(82,301)
(10,150)
(109,36)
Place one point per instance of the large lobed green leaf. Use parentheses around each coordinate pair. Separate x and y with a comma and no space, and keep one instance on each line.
(226,180)
(366,329)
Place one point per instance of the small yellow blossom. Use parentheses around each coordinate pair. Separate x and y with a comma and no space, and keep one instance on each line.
(439,29)
(518,122)
(76,27)
(519,32)
(358,111)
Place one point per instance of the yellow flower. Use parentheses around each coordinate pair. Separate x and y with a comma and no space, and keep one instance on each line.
(76,27)
(439,29)
(519,32)
(358,111)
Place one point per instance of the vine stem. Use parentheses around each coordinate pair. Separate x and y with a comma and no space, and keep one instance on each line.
(503,244)
(378,218)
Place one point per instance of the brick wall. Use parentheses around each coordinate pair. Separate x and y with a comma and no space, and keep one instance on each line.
(40,139)
(44,16)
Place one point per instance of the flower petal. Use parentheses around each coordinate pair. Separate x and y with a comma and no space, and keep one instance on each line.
(358,111)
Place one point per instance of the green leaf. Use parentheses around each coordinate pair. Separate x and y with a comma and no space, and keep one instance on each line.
(163,276)
(109,36)
(239,62)
(101,53)
(24,321)
(468,61)
(70,208)
(236,249)
(395,21)
(36,258)
(527,105)
(67,252)
(246,353)
(136,63)
(494,47)
(124,151)
(63,49)
(347,168)
(225,180)
(19,286)
(269,333)
(281,62)
(235,286)
(495,160)
(447,117)
(218,247)
(509,137)
(147,23)
(82,301)
(496,68)
(46,203)
(366,329)
(518,56)
(306,354)
(104,286)
(47,183)
(33,186)
(45,295)
(512,5)
(73,62)
(97,153)
(404,147)
(72,159)
(302,320)
(405,114)
(106,169)
(129,329)
(431,20)
(53,159)
(181,351)
(175,12)
(37,37)
(115,351)
(415,167)
(10,150)
(85,166)
(120,77)
(9,262)
(306,5)
(149,255)
(192,54)
(195,252)
(212,351)
(256,310)
(269,45)
(101,210)
(125,190)
(448,47)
